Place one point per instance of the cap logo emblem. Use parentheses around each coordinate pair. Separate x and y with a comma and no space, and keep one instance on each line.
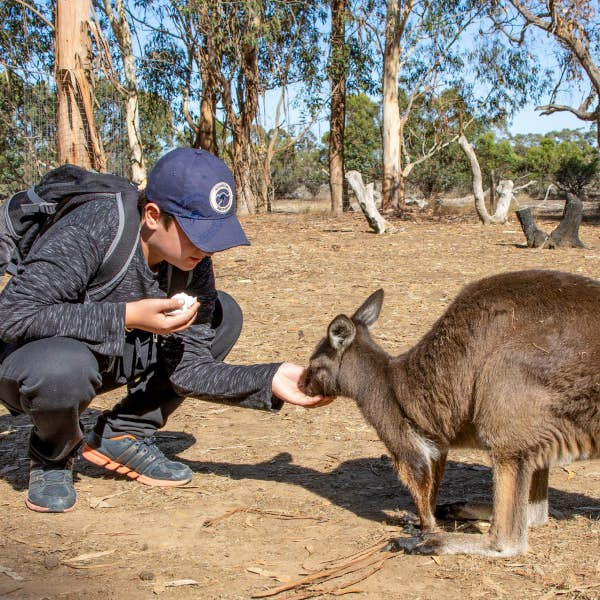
(221,197)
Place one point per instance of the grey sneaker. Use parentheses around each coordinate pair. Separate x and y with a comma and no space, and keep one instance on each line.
(51,487)
(137,458)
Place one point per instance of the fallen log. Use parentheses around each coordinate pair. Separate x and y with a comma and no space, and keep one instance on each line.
(365,196)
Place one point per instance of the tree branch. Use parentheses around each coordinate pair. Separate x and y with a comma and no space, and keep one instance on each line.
(549,109)
(37,12)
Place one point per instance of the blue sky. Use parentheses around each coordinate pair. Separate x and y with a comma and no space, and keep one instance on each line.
(530,121)
(525,121)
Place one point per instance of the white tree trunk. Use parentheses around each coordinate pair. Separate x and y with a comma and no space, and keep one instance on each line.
(391,110)
(120,27)
(477,181)
(505,189)
(364,194)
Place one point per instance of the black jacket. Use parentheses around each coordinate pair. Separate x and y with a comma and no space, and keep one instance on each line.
(48,298)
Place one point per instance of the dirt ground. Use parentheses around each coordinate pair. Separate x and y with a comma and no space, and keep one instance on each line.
(276,497)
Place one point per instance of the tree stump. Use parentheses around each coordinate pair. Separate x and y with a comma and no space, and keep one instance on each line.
(566,234)
(536,238)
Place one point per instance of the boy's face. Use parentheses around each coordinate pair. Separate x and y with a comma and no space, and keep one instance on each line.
(167,242)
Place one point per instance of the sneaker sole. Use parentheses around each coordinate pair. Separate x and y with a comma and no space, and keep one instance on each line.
(44,509)
(99,459)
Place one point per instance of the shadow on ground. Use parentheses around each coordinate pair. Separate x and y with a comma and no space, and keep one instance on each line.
(367,487)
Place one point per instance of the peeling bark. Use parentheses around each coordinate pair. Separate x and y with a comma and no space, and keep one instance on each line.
(77,139)
(122,32)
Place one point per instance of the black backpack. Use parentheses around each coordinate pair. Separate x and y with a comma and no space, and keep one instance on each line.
(28,214)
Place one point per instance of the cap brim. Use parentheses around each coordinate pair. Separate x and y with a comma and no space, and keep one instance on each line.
(214,235)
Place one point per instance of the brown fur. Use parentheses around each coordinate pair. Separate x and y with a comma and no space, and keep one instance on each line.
(513,366)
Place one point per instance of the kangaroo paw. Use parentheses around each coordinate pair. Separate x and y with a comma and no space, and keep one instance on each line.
(427,544)
(408,544)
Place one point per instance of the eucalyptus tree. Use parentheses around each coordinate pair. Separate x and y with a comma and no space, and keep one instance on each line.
(221,56)
(428,47)
(574,26)
(26,64)
(338,68)
(362,137)
(76,134)
(422,55)
(118,20)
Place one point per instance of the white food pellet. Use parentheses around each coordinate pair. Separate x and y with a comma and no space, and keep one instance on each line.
(187,302)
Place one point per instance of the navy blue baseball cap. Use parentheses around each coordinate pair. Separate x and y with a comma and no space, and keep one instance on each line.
(198,189)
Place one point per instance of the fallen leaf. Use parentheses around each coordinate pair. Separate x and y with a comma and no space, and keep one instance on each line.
(269,574)
(99,503)
(180,582)
(570,472)
(10,573)
(88,556)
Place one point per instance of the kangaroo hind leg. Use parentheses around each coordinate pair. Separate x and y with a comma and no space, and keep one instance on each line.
(537,510)
(507,536)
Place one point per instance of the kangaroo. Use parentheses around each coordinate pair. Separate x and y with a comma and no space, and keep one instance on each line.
(512,366)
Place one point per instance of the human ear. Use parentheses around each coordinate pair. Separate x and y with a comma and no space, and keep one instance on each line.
(152,215)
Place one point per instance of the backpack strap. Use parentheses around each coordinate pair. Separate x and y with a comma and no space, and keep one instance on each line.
(121,251)
(37,204)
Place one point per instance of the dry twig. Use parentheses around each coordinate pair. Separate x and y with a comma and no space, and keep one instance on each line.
(339,570)
(268,513)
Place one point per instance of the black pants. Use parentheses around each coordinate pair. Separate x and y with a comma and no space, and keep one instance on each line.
(53,380)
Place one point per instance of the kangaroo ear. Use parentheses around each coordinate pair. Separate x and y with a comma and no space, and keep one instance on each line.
(341,332)
(369,310)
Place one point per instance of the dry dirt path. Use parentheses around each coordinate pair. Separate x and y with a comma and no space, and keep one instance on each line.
(316,485)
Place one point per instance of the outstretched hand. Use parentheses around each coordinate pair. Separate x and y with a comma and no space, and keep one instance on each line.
(287,385)
(150,315)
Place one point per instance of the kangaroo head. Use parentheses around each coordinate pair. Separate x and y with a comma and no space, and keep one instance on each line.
(325,369)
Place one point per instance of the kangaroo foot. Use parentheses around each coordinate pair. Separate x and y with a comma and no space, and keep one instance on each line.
(454,543)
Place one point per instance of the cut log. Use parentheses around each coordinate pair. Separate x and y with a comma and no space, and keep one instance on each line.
(566,235)
(364,195)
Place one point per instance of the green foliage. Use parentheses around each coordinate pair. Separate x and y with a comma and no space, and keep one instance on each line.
(550,157)
(27,131)
(156,125)
(298,164)
(497,156)
(445,172)
(564,158)
(362,140)
(575,172)
(26,99)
